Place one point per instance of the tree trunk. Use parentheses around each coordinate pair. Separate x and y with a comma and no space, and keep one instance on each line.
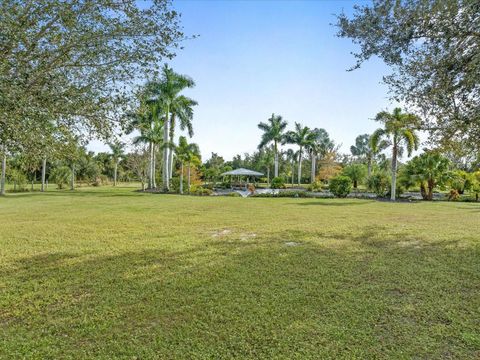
(293,172)
(72,180)
(393,189)
(115,173)
(44,170)
(188,180)
(170,149)
(431,186)
(369,166)
(4,169)
(314,170)
(181,177)
(154,167)
(150,167)
(299,166)
(275,170)
(165,172)
(268,175)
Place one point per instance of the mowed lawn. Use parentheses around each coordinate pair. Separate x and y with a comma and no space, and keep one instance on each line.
(102,273)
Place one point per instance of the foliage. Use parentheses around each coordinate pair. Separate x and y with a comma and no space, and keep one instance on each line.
(200,191)
(61,175)
(277,183)
(315,186)
(283,194)
(340,186)
(73,64)
(432,48)
(428,170)
(399,132)
(379,183)
(356,172)
(329,166)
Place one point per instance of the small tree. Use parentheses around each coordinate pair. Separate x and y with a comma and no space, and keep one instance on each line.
(428,170)
(356,172)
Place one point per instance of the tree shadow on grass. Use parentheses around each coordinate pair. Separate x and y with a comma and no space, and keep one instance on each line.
(229,298)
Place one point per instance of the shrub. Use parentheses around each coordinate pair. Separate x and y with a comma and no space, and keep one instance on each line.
(283,194)
(19,180)
(200,191)
(315,186)
(340,186)
(60,175)
(378,183)
(277,183)
(356,172)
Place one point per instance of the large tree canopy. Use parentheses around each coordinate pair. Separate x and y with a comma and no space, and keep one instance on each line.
(433,47)
(74,61)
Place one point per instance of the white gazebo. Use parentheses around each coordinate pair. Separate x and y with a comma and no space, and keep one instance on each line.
(243,172)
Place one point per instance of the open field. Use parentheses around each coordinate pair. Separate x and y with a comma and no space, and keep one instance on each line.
(113,273)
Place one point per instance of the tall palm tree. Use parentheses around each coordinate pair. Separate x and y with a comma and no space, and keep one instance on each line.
(148,121)
(118,153)
(181,109)
(304,138)
(399,132)
(165,95)
(273,132)
(185,154)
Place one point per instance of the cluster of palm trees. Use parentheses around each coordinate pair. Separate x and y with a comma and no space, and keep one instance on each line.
(162,108)
(398,133)
(314,142)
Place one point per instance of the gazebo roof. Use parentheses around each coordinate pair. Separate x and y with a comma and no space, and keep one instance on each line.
(242,172)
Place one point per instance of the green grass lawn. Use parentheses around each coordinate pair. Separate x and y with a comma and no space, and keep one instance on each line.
(102,273)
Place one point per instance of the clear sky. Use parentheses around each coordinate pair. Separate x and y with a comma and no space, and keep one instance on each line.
(253,58)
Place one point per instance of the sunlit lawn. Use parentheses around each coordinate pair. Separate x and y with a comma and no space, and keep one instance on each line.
(102,273)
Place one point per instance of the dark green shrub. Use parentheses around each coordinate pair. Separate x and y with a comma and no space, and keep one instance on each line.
(340,186)
(379,183)
(277,183)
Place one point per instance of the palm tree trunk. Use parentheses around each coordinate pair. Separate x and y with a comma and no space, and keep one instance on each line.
(165,173)
(115,173)
(154,167)
(293,172)
(72,179)
(369,166)
(268,175)
(4,169)
(314,170)
(181,177)
(394,172)
(188,170)
(299,166)
(171,135)
(276,160)
(150,167)
(44,170)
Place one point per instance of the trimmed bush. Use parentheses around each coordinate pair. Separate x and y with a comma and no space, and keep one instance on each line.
(340,186)
(277,183)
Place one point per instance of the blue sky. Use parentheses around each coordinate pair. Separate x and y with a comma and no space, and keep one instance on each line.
(253,58)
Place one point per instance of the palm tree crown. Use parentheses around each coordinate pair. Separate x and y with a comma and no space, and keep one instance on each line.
(273,132)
